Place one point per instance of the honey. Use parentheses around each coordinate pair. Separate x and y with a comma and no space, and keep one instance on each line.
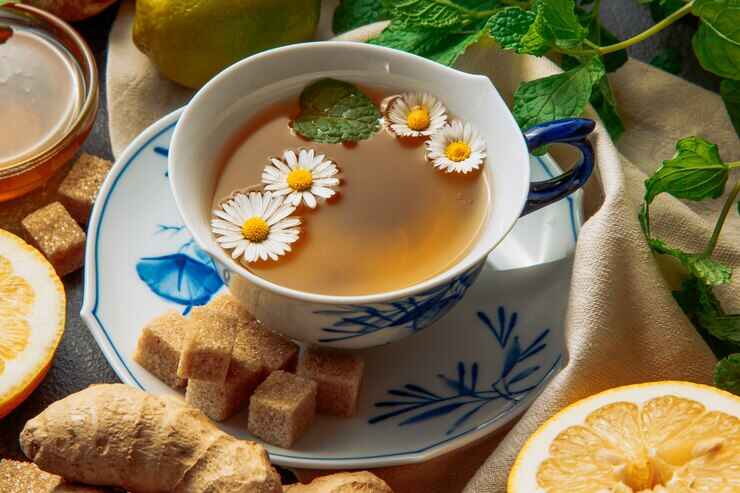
(48,97)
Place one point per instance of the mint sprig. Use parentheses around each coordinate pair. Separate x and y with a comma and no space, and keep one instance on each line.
(697,172)
(333,111)
(443,29)
(730,92)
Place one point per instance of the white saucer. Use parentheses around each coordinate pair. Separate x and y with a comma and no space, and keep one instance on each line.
(454,382)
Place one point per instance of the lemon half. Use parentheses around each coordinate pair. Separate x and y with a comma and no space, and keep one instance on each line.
(662,437)
(32,311)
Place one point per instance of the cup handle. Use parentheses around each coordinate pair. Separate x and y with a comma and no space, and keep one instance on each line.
(571,131)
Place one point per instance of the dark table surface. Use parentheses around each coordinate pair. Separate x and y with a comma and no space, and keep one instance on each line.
(79,362)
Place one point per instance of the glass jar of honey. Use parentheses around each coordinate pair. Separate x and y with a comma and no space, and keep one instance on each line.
(48,97)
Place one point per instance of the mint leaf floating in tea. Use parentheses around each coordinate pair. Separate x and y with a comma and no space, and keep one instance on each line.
(727,374)
(256,226)
(301,177)
(414,114)
(456,147)
(333,111)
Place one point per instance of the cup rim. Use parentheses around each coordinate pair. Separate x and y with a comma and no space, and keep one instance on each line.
(441,278)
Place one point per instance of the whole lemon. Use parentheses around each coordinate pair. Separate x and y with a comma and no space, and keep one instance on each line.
(190,41)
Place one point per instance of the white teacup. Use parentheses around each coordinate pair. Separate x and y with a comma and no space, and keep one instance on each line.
(238,93)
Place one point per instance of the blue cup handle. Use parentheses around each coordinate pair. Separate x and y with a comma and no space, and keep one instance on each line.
(573,131)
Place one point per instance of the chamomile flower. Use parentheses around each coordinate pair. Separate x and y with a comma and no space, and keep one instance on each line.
(414,114)
(301,177)
(456,147)
(255,225)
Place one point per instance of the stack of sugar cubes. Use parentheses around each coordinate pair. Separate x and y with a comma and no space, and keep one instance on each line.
(228,361)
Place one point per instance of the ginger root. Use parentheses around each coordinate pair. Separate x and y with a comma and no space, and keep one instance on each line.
(115,435)
(344,482)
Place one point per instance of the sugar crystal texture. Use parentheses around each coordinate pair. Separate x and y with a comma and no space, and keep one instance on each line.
(227,304)
(277,352)
(26,477)
(221,400)
(209,341)
(53,231)
(80,187)
(338,375)
(160,345)
(282,408)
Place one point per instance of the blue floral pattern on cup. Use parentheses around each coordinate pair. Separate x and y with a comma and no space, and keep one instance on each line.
(413,313)
(462,394)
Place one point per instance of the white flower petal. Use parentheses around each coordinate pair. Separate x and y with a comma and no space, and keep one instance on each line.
(309,199)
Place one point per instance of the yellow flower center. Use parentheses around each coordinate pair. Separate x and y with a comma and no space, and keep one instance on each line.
(418,118)
(457,151)
(255,229)
(300,179)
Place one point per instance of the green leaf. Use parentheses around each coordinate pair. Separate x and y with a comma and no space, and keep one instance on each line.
(730,92)
(509,26)
(602,100)
(333,111)
(723,327)
(696,172)
(709,271)
(668,59)
(727,374)
(697,300)
(556,22)
(442,47)
(716,54)
(351,14)
(721,16)
(436,13)
(557,96)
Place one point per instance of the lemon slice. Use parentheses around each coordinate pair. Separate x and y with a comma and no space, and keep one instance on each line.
(661,437)
(32,309)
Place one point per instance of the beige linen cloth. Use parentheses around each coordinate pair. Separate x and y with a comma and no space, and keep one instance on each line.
(622,325)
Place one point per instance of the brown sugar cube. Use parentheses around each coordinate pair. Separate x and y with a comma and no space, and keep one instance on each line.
(338,376)
(227,304)
(282,408)
(58,236)
(277,352)
(221,400)
(159,346)
(81,185)
(209,340)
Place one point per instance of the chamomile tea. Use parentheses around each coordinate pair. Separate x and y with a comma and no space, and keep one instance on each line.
(344,191)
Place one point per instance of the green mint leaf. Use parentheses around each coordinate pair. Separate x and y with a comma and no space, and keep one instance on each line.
(669,60)
(723,327)
(715,53)
(696,172)
(535,40)
(730,92)
(442,47)
(602,37)
(697,300)
(351,14)
(333,111)
(602,100)
(556,22)
(721,16)
(557,96)
(433,13)
(509,26)
(727,374)
(709,271)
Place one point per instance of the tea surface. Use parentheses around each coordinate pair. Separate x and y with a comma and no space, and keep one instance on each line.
(396,221)
(39,95)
